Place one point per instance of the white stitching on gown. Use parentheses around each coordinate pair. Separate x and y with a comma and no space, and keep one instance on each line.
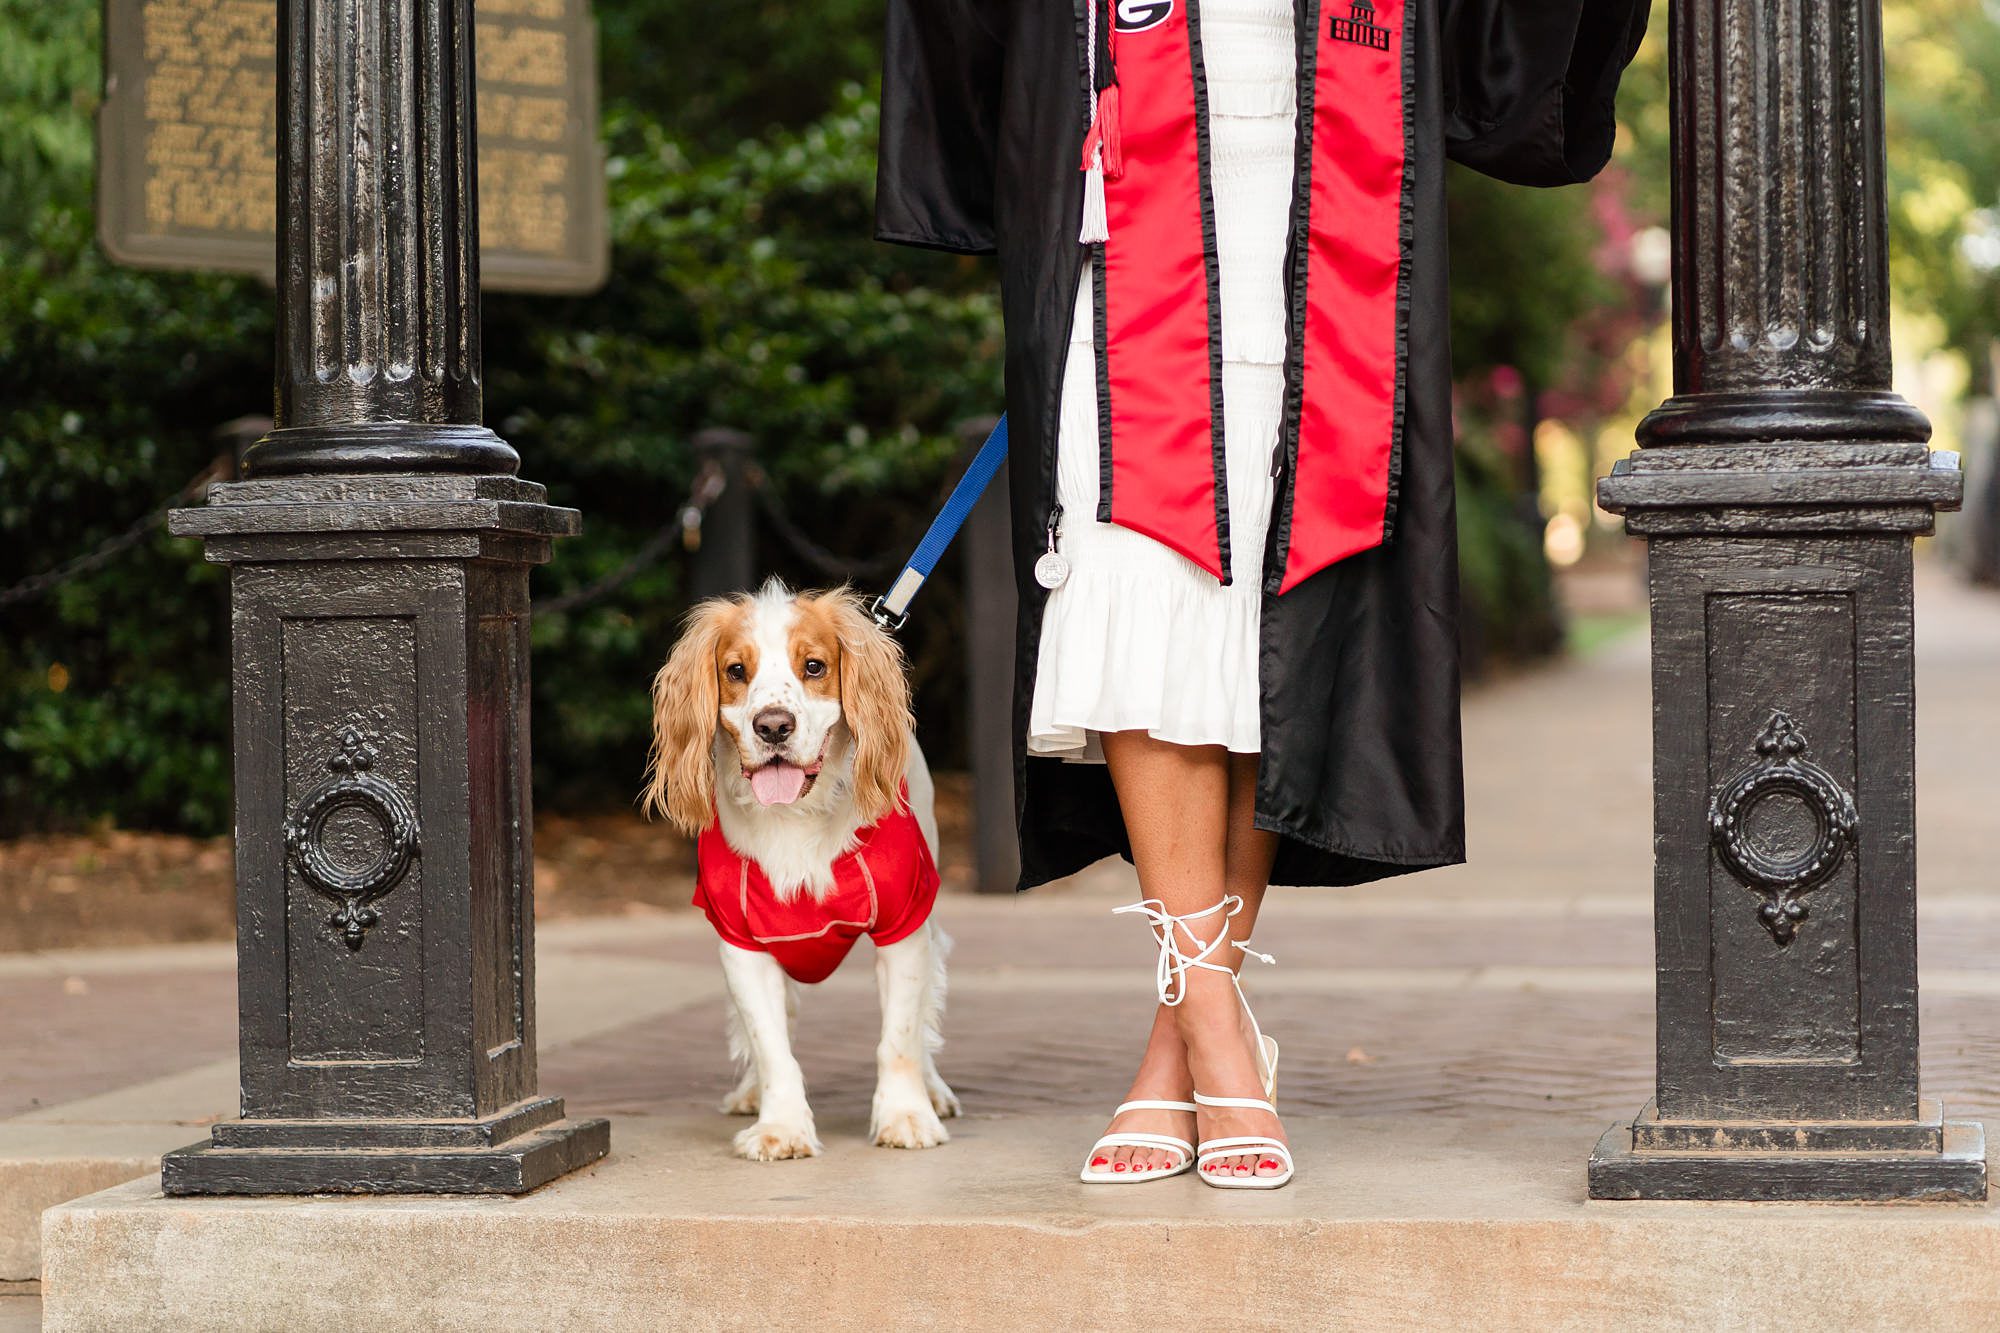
(1138,637)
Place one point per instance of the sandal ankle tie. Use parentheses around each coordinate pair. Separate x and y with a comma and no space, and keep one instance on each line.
(1174,963)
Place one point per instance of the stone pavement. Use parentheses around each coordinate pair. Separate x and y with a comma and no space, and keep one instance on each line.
(1504,1007)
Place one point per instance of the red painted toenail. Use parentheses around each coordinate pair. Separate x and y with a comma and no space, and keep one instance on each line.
(1100,1161)
(1118,1166)
(1271,1164)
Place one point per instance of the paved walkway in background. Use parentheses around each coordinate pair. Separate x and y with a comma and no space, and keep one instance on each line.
(1517,986)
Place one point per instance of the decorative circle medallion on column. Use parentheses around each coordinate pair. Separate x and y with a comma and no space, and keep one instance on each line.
(1785,873)
(352,787)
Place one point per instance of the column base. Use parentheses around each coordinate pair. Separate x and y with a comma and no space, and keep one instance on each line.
(381,446)
(1930,1159)
(521,1148)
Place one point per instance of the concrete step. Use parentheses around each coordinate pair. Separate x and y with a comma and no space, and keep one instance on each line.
(64,1151)
(1392,1223)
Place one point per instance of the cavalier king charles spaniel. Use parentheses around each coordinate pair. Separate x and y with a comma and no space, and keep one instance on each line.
(782,744)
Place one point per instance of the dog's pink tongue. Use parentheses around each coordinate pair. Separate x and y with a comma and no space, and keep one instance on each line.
(778,783)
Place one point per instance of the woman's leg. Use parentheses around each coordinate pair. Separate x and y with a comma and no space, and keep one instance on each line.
(1174,799)
(1163,1076)
(1248,852)
(1186,808)
(1247,857)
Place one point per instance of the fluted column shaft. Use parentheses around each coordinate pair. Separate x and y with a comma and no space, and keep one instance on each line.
(1781,280)
(378,358)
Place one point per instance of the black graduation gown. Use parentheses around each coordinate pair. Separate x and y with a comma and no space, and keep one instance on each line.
(986,105)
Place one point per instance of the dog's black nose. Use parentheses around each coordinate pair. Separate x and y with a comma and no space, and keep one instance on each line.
(774,726)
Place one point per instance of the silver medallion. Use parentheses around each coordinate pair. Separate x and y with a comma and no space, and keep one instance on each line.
(1052,570)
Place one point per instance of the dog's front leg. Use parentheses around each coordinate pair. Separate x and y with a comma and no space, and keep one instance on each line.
(784,1125)
(904,1116)
(742,1099)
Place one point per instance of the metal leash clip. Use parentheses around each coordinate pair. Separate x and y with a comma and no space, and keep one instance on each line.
(886,618)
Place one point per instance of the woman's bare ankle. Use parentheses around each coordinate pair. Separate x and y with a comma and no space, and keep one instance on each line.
(1211,1007)
(1163,1075)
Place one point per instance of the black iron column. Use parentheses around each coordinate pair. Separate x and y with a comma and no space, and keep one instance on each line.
(379,556)
(1780,490)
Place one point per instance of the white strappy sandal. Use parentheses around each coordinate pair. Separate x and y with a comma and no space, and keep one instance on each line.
(1181,1147)
(1242,1145)
(1171,978)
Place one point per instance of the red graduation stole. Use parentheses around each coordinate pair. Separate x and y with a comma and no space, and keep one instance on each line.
(1160,353)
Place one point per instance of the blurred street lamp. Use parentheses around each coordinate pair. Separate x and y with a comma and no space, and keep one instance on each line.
(1652,258)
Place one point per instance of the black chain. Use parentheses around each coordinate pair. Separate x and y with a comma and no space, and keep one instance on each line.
(709,483)
(684,531)
(28,589)
(827,562)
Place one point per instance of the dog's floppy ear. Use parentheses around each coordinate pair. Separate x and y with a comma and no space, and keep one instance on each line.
(680,771)
(875,701)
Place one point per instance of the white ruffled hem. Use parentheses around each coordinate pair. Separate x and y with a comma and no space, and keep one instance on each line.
(1125,650)
(1139,638)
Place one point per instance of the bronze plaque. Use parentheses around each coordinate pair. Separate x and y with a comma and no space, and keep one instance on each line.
(187,140)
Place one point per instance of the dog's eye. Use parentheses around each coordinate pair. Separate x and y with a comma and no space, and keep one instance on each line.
(735,671)
(814,668)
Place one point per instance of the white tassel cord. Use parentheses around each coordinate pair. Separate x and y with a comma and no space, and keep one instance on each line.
(1096,223)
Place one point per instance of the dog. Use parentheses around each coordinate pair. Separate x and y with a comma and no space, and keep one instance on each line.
(783,742)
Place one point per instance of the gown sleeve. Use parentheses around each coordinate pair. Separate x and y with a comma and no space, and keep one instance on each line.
(940,123)
(1529,85)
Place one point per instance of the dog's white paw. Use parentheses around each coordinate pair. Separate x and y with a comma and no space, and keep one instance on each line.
(907,1124)
(743,1100)
(775,1141)
(943,1100)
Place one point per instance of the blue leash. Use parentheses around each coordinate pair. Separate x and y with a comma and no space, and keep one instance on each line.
(892,609)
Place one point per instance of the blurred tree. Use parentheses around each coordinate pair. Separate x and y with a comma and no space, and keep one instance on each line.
(712,75)
(113,697)
(1944,170)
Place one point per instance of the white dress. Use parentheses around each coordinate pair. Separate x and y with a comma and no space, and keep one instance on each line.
(1138,637)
